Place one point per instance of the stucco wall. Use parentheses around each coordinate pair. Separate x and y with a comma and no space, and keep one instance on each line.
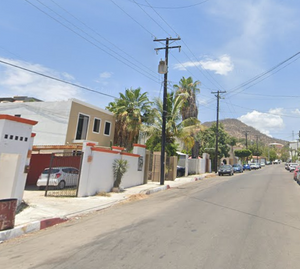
(52,118)
(92,112)
(16,140)
(97,173)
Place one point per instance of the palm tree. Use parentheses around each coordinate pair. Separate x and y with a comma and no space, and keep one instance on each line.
(188,89)
(175,127)
(131,110)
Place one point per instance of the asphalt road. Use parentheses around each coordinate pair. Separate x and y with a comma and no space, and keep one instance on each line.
(249,220)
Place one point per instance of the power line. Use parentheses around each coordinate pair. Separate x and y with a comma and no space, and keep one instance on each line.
(196,65)
(180,7)
(153,36)
(93,43)
(101,36)
(151,18)
(263,74)
(57,79)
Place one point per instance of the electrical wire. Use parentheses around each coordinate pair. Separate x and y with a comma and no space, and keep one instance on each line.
(91,42)
(196,65)
(101,36)
(57,79)
(181,7)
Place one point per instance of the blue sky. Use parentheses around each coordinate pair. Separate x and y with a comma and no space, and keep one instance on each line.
(247,48)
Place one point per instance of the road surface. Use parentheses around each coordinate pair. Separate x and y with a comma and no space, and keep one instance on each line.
(249,220)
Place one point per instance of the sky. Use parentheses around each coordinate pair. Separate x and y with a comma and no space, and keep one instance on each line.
(249,50)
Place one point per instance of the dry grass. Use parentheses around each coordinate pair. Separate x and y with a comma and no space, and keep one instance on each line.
(103,193)
(135,197)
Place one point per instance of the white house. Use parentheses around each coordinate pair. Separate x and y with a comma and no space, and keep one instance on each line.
(64,122)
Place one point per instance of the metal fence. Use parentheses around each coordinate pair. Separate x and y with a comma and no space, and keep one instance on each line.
(62,177)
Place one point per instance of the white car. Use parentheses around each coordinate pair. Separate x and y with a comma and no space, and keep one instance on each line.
(292,166)
(254,166)
(60,177)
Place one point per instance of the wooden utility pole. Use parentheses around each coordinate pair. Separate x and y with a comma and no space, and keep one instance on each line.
(164,112)
(246,134)
(217,130)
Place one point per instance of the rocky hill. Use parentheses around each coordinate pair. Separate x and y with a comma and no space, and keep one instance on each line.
(237,129)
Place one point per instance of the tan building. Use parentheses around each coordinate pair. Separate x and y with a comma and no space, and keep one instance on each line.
(65,122)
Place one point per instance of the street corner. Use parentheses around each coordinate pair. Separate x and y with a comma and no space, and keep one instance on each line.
(19,231)
(34,226)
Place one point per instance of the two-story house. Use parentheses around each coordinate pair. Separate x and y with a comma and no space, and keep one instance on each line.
(64,122)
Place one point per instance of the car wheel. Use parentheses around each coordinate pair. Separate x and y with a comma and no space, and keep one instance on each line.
(61,184)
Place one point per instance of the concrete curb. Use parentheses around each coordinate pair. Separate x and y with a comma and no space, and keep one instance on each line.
(29,228)
(45,223)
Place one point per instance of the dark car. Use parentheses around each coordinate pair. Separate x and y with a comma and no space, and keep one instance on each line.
(180,171)
(246,167)
(226,169)
(237,168)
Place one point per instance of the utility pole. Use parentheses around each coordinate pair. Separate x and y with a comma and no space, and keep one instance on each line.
(246,134)
(217,131)
(257,149)
(164,112)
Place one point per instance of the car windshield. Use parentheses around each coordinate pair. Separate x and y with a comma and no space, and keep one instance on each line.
(235,165)
(226,166)
(53,171)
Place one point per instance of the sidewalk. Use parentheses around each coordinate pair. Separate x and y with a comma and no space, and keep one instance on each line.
(43,212)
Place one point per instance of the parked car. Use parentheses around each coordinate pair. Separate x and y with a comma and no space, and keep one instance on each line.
(296,171)
(246,166)
(254,166)
(180,171)
(286,166)
(292,166)
(60,177)
(226,169)
(298,177)
(268,162)
(237,168)
(262,164)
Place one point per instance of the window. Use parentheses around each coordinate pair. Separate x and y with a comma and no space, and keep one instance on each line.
(107,128)
(82,127)
(96,128)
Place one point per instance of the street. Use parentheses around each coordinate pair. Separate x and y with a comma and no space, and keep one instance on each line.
(249,220)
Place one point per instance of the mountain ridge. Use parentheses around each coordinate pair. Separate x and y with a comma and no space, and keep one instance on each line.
(237,129)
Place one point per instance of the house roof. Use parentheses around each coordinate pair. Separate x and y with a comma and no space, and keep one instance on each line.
(17,119)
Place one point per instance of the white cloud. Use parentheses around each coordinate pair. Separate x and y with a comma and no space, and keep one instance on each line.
(14,81)
(296,111)
(221,66)
(106,75)
(266,123)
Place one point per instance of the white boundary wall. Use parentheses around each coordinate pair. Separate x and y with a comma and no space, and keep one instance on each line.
(16,141)
(96,171)
(198,166)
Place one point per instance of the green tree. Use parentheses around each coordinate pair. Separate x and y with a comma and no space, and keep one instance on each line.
(175,127)
(187,90)
(242,153)
(208,142)
(131,110)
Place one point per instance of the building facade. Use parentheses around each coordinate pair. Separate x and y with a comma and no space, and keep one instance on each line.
(65,122)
